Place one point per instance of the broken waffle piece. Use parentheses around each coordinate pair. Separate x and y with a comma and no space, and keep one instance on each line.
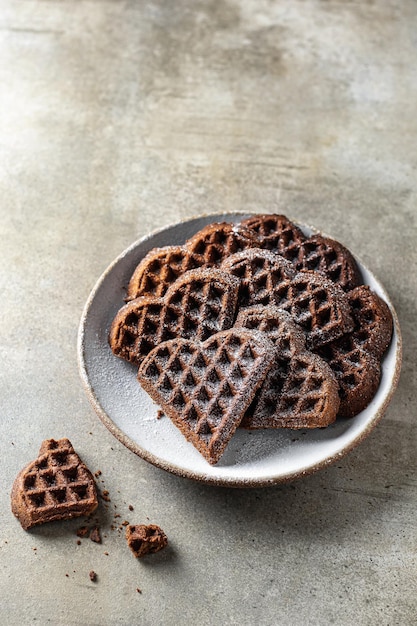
(145,539)
(206,388)
(198,304)
(56,486)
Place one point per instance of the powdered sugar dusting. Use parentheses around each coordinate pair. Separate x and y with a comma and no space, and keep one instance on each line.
(251,458)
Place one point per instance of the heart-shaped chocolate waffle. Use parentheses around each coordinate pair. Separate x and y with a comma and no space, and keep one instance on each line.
(206,388)
(278,325)
(356,358)
(198,304)
(56,486)
(357,371)
(300,390)
(319,306)
(215,242)
(158,270)
(276,233)
(373,320)
(330,257)
(161,267)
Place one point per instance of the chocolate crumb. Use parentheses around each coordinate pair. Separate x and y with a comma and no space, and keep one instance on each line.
(138,590)
(95,535)
(93,576)
(98,473)
(82,532)
(105,495)
(78,542)
(145,539)
(131,507)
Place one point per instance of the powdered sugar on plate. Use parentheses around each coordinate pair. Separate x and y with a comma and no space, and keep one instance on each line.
(253,458)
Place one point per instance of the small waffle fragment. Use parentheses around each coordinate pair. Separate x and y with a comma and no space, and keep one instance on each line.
(357,371)
(206,388)
(373,320)
(215,242)
(318,305)
(145,539)
(276,233)
(56,486)
(158,270)
(199,304)
(300,391)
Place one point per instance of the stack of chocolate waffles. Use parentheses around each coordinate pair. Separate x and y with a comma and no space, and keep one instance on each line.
(254,325)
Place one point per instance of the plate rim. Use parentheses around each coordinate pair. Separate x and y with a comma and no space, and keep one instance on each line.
(228,481)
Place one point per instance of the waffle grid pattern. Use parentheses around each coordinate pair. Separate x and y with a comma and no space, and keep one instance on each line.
(206,388)
(315,303)
(199,304)
(57,485)
(277,233)
(57,480)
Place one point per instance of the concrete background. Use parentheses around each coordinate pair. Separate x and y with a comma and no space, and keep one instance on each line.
(117,117)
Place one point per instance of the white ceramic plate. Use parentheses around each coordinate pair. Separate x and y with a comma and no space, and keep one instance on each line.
(252,458)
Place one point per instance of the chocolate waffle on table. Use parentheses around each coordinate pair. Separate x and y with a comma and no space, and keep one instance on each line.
(56,486)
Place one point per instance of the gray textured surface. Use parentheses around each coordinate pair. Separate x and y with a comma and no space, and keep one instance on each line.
(119,117)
